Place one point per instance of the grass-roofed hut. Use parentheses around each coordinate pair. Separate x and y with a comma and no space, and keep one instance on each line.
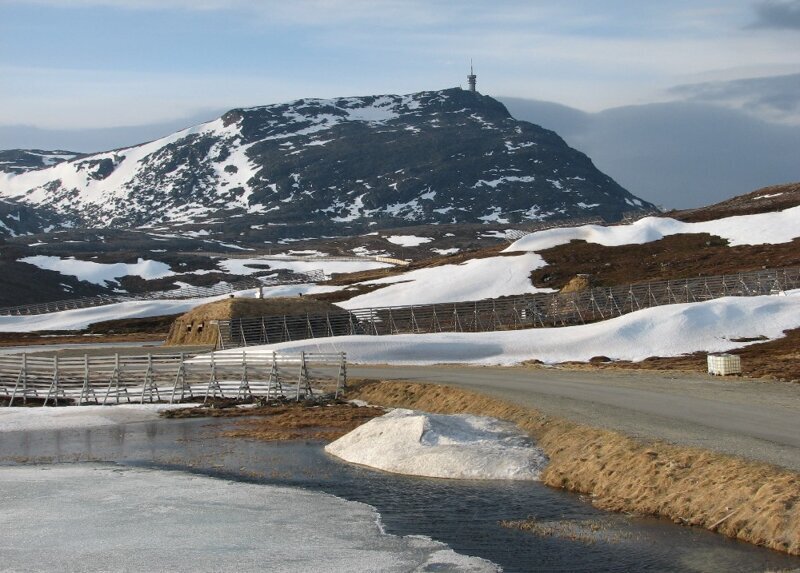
(197,327)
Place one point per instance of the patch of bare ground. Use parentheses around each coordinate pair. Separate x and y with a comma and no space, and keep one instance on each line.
(671,258)
(750,501)
(286,420)
(775,359)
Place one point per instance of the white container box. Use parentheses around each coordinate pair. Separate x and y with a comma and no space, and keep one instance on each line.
(724,364)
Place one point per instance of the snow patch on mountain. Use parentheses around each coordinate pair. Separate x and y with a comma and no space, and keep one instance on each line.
(763,228)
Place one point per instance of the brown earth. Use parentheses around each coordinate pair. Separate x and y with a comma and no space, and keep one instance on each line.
(775,359)
(671,258)
(750,501)
(288,420)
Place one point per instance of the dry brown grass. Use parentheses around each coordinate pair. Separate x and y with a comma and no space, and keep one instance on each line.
(751,501)
(288,421)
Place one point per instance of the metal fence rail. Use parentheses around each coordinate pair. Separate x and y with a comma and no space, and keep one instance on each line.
(114,379)
(529,311)
(177,294)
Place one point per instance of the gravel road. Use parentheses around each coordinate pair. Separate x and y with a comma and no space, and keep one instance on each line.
(754,419)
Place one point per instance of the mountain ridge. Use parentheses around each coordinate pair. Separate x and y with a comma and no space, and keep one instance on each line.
(338,166)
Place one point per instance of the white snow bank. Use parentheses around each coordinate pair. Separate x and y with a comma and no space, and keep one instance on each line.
(113,518)
(472,280)
(664,331)
(79,319)
(435,445)
(23,419)
(764,228)
(408,240)
(100,273)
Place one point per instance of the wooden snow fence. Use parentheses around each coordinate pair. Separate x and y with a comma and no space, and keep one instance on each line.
(168,378)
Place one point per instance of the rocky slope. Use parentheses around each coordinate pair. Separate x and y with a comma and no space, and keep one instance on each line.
(334,167)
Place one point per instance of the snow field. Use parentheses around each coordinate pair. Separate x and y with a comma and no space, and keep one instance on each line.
(475,279)
(765,228)
(408,240)
(440,446)
(100,273)
(663,331)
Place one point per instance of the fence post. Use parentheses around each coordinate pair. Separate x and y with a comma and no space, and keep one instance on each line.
(341,378)
(303,376)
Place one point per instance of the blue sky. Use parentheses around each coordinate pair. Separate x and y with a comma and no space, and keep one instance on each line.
(69,64)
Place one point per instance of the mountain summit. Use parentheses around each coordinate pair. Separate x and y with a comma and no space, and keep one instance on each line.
(336,166)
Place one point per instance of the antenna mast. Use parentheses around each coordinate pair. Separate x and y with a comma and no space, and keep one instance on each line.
(472,78)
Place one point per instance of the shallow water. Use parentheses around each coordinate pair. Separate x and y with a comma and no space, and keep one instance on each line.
(462,514)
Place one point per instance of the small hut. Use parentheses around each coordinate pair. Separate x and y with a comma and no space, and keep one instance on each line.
(197,327)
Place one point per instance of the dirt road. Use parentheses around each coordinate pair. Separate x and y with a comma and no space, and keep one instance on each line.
(755,419)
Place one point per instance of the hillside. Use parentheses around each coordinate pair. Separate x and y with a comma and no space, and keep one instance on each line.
(334,167)
(23,160)
(650,253)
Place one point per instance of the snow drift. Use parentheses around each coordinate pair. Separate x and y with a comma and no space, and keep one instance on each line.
(434,445)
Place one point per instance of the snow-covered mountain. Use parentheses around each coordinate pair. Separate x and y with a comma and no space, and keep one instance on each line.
(335,166)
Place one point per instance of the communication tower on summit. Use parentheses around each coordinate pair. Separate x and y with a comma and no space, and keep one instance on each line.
(472,78)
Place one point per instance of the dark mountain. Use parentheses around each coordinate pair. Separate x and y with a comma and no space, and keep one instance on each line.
(22,160)
(335,167)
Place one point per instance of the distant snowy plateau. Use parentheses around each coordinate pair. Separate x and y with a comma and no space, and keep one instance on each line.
(338,167)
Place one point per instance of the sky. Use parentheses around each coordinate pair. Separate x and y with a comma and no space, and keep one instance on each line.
(89,67)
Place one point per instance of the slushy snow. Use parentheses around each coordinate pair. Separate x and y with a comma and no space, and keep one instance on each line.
(93,517)
(434,445)
(17,419)
(670,330)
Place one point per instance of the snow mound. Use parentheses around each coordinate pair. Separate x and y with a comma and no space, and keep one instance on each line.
(434,445)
